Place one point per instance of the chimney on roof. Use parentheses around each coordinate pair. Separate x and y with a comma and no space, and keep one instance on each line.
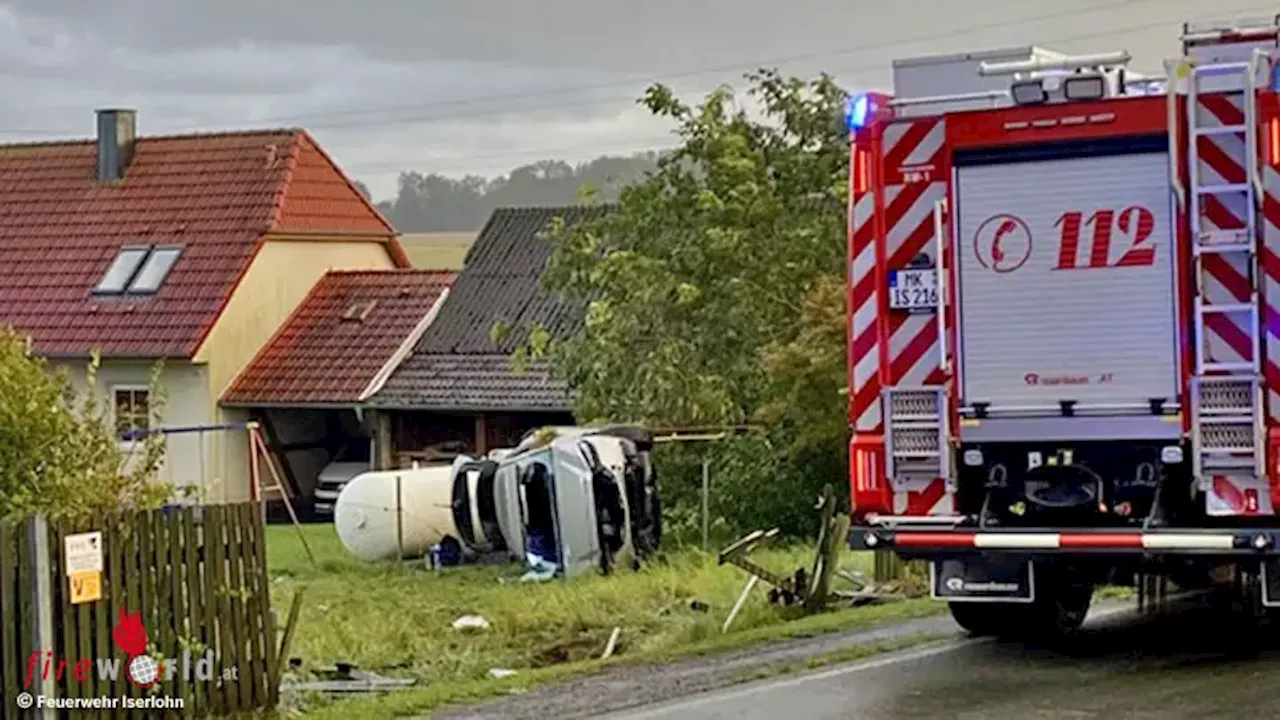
(116,132)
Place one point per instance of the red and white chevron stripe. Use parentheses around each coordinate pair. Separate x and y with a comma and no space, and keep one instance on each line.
(906,210)
(1270,261)
(889,230)
(1222,161)
(1227,336)
(909,232)
(864,300)
(1238,495)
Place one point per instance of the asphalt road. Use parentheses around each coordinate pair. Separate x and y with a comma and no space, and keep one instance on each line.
(1187,663)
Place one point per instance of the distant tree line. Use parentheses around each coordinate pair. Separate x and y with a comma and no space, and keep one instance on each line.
(431,202)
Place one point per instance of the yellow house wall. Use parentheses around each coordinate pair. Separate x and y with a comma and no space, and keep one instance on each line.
(280,277)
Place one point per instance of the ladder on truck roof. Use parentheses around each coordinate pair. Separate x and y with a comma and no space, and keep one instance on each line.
(1226,395)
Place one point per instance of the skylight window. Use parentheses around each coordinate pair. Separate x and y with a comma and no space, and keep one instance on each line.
(138,269)
(122,270)
(358,311)
(155,270)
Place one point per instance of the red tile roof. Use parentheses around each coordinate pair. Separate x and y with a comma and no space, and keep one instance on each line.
(320,357)
(216,195)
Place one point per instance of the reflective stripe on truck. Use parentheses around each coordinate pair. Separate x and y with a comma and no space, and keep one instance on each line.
(923,540)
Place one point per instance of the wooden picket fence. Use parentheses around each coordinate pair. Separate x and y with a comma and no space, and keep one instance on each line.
(198,575)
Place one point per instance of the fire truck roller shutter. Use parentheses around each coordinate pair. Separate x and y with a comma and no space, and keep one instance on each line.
(1066,277)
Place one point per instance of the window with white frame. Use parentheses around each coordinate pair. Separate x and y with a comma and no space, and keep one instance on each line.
(132,410)
(138,270)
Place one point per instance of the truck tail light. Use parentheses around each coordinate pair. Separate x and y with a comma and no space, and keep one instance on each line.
(869,490)
(1274,146)
(1273,462)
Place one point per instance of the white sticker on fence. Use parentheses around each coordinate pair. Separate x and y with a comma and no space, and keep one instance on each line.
(84,553)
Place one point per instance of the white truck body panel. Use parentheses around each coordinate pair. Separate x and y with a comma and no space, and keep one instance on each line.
(1032,335)
(957,73)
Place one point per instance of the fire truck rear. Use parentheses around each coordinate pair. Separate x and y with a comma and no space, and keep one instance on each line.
(1064,348)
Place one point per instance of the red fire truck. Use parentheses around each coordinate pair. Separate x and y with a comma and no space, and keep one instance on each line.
(1064,324)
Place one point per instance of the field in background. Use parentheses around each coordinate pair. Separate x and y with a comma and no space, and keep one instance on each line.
(396,619)
(437,251)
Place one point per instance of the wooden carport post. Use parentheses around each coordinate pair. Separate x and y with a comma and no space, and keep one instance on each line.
(383,452)
(482,435)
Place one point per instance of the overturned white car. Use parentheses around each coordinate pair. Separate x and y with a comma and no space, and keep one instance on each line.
(566,500)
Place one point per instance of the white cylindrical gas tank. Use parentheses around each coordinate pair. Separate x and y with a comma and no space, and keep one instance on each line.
(365,512)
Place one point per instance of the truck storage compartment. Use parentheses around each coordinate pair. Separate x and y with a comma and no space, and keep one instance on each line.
(1066,280)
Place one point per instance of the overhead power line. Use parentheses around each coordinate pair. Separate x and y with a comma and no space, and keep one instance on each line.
(444,163)
(464,109)
(384,120)
(643,80)
(381,116)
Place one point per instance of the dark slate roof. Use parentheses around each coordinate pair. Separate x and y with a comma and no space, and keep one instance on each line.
(456,365)
(472,383)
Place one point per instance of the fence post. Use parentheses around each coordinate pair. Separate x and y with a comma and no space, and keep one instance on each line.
(888,567)
(706,502)
(399,523)
(43,639)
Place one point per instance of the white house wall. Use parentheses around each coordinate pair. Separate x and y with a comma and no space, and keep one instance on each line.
(210,460)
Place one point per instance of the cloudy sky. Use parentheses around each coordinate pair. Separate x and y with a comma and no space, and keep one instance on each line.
(481,86)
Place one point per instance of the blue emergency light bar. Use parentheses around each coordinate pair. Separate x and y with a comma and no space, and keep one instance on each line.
(859,110)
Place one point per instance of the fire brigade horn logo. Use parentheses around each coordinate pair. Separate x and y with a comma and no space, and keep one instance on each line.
(131,637)
(1002,243)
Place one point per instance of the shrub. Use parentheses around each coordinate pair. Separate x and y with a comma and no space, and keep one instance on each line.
(59,454)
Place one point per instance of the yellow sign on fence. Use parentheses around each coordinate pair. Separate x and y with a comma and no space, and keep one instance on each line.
(86,586)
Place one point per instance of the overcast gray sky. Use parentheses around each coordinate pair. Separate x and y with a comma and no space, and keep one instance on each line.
(458,86)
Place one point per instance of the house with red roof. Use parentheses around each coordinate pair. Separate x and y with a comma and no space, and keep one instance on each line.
(195,250)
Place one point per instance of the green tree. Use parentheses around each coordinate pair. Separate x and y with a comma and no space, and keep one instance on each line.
(59,454)
(714,294)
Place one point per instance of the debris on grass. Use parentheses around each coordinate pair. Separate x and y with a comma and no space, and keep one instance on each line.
(471,622)
(347,678)
(612,644)
(499,673)
(669,608)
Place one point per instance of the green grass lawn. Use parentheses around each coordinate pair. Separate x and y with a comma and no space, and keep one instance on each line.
(396,619)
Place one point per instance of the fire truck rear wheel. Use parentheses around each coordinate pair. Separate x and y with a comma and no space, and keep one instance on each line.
(1059,609)
(984,618)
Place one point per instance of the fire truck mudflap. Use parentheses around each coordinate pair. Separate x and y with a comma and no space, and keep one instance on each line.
(1009,579)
